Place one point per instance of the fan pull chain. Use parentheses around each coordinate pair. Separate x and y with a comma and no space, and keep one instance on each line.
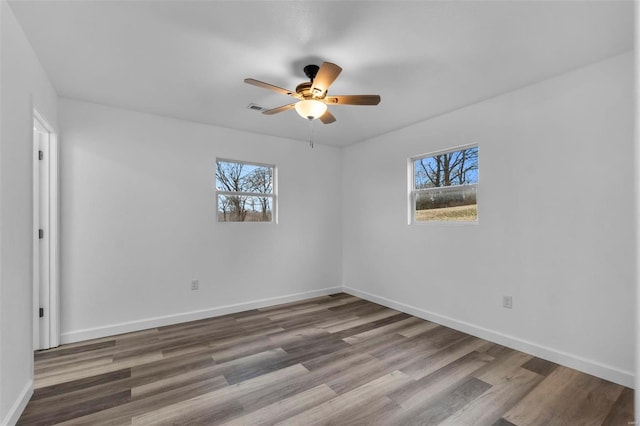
(311,133)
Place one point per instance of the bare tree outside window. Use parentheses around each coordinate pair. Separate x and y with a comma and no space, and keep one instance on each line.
(261,180)
(445,186)
(245,191)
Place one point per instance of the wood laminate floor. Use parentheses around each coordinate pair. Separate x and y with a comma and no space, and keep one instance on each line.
(328,360)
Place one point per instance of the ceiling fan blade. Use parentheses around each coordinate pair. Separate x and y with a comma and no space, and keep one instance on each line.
(271,87)
(327,117)
(353,100)
(279,109)
(327,74)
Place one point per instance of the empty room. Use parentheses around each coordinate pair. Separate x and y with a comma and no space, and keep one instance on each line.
(318,212)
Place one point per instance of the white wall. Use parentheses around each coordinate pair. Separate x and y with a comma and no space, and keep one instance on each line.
(24,85)
(138,221)
(556,225)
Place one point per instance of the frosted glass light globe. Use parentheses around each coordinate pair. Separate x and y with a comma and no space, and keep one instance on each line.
(310,109)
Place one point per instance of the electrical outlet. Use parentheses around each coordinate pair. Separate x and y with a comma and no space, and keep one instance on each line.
(195,284)
(507,302)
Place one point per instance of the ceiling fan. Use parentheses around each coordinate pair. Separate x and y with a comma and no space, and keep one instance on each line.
(312,99)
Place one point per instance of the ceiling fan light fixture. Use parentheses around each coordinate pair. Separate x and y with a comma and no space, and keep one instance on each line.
(310,109)
(311,96)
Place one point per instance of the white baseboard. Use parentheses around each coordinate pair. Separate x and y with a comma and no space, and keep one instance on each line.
(143,324)
(607,372)
(19,405)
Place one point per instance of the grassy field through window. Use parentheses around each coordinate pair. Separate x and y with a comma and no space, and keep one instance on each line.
(446,214)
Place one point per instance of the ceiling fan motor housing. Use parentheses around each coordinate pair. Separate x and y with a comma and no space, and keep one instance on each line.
(304,89)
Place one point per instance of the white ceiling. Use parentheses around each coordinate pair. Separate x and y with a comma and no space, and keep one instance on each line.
(188,59)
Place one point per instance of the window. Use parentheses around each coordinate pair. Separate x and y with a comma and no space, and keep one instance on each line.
(444,186)
(245,191)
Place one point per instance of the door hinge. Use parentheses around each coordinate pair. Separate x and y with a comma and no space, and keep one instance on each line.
(40,234)
(40,155)
(41,312)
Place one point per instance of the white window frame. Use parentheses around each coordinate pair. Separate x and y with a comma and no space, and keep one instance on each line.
(413,192)
(273,195)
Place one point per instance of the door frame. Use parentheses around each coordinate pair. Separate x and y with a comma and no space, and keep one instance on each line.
(50,335)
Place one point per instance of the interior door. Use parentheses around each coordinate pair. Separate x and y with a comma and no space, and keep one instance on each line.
(45,253)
